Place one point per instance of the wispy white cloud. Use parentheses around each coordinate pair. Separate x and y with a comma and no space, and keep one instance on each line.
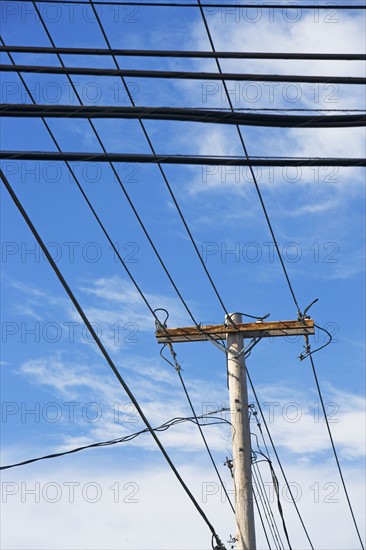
(297,422)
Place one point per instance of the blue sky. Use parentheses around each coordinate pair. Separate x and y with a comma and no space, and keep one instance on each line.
(49,364)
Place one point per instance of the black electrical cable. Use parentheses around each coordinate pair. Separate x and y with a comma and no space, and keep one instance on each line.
(264,499)
(177,367)
(237,5)
(103,228)
(96,215)
(310,352)
(205,441)
(118,176)
(104,351)
(161,170)
(182,114)
(250,109)
(187,54)
(78,184)
(278,460)
(125,439)
(183,75)
(182,159)
(275,482)
(261,518)
(279,505)
(276,529)
(113,245)
(254,178)
(334,450)
(119,179)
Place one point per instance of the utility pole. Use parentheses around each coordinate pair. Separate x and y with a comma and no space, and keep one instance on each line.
(242,457)
(235,331)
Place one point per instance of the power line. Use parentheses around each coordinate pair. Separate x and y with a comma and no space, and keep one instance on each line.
(78,184)
(183,75)
(278,460)
(115,109)
(154,313)
(120,181)
(276,487)
(208,6)
(254,178)
(266,507)
(182,114)
(184,54)
(177,367)
(104,352)
(275,483)
(161,170)
(125,439)
(182,159)
(334,449)
(102,225)
(261,518)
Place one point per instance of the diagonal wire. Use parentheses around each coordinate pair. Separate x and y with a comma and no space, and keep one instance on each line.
(84,195)
(138,288)
(274,477)
(261,518)
(251,168)
(177,367)
(263,498)
(278,459)
(102,226)
(205,442)
(159,166)
(275,527)
(116,173)
(334,450)
(105,352)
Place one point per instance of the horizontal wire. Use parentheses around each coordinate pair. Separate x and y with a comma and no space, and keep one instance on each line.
(182,159)
(182,75)
(185,54)
(181,114)
(160,168)
(102,225)
(207,6)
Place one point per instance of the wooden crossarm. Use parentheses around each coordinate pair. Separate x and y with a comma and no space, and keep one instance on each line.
(249,330)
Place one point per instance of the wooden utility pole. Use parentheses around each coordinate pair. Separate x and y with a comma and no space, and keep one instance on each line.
(242,458)
(234,331)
